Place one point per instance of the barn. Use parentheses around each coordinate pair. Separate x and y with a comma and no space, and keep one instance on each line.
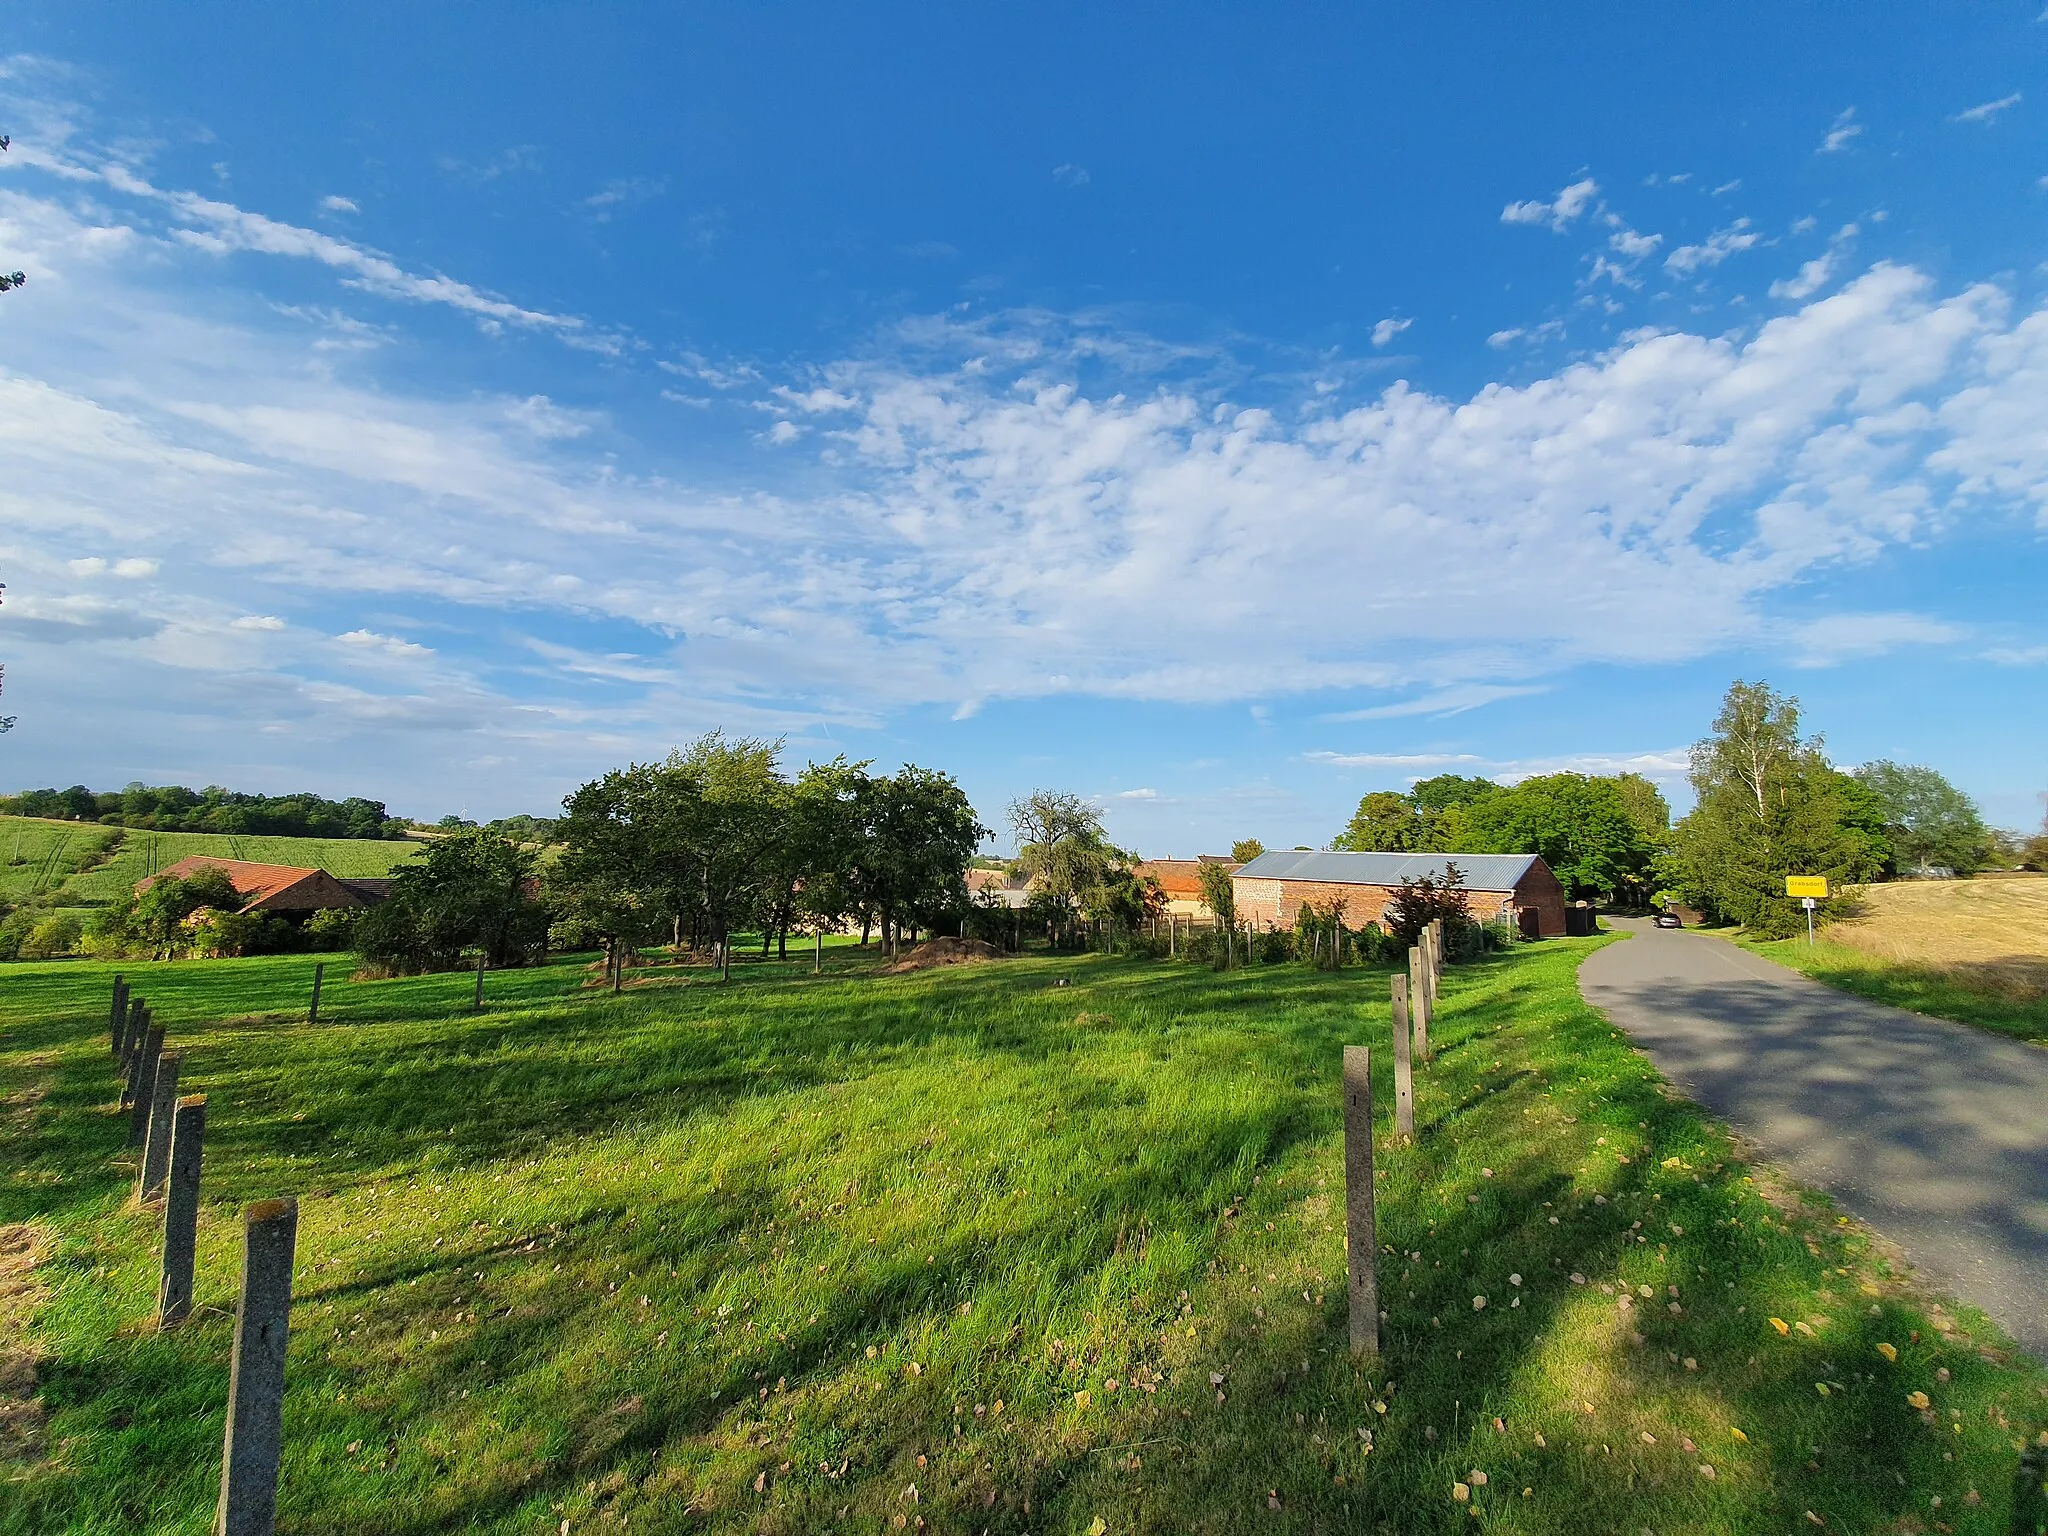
(1518,887)
(1180,882)
(282,890)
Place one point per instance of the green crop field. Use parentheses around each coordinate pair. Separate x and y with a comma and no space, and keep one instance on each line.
(1048,1245)
(37,857)
(144,853)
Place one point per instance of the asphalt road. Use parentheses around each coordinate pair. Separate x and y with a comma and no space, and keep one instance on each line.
(1934,1133)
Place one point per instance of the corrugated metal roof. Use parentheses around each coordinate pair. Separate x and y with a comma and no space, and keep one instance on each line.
(1481,871)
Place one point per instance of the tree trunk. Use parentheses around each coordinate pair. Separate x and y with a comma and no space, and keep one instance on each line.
(865,919)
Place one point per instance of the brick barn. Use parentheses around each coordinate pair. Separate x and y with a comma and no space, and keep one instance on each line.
(282,890)
(1515,886)
(1180,882)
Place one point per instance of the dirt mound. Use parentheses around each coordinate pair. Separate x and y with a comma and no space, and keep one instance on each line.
(937,952)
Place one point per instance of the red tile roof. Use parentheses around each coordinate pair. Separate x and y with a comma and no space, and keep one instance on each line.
(269,887)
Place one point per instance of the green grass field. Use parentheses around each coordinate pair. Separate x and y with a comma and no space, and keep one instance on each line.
(144,853)
(965,1250)
(37,857)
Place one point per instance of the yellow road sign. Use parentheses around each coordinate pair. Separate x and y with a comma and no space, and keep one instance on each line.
(1806,885)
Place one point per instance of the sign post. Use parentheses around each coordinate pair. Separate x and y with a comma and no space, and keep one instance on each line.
(1810,889)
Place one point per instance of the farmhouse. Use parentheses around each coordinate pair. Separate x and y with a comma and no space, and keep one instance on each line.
(998,886)
(282,890)
(1179,881)
(1515,886)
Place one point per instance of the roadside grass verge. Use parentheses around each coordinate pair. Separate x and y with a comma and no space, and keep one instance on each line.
(963,1250)
(1962,993)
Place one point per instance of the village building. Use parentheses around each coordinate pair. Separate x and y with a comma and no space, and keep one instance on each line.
(279,890)
(1512,887)
(999,886)
(1180,882)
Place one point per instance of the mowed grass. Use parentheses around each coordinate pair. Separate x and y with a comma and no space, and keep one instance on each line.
(36,856)
(1975,951)
(144,853)
(1048,1245)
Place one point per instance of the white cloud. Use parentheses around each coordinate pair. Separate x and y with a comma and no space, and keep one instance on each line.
(1070,175)
(1392,759)
(1815,275)
(259,621)
(335,204)
(91,565)
(1985,111)
(1726,187)
(1842,133)
(1387,329)
(383,645)
(1549,330)
(1712,251)
(1137,794)
(2027,656)
(134,568)
(1443,702)
(1848,636)
(1633,245)
(1559,212)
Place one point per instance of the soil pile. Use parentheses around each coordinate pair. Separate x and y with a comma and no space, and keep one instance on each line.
(937,952)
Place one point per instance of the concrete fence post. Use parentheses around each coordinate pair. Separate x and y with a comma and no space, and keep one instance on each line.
(1404,1069)
(156,1137)
(131,1047)
(142,1085)
(313,1007)
(181,1212)
(117,1016)
(1360,1241)
(818,958)
(255,1430)
(1418,1001)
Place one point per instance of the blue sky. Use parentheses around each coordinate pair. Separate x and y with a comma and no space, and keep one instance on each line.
(1222,414)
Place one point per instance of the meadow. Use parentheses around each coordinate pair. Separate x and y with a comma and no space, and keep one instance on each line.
(1975,951)
(1054,1244)
(53,850)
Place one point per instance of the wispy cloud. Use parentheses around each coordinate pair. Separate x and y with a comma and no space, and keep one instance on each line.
(1844,131)
(2022,656)
(333,203)
(1985,111)
(1070,175)
(1387,329)
(1711,252)
(1560,212)
(1443,702)
(1816,274)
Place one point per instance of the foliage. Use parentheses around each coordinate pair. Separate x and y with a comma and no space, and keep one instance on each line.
(1583,827)
(1383,823)
(1009,1186)
(1074,869)
(1423,899)
(1217,892)
(53,935)
(1769,805)
(1928,821)
(1245,850)
(473,890)
(174,808)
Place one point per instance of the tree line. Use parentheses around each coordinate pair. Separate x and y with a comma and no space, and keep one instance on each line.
(175,808)
(1768,802)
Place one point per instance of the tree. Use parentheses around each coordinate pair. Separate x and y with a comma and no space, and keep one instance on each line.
(1217,892)
(1581,826)
(1063,850)
(1769,804)
(1423,899)
(1245,850)
(1929,822)
(472,890)
(1383,823)
(920,831)
(1646,806)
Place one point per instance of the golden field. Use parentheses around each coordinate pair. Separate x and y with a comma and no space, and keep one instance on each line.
(1990,932)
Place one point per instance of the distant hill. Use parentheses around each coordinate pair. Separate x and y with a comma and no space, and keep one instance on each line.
(88,864)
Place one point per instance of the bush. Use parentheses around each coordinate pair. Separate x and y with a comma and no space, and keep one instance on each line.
(333,928)
(15,928)
(55,935)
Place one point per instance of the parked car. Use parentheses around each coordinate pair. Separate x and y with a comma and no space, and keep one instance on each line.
(1668,920)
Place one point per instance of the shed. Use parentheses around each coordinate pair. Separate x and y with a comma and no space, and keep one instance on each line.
(1518,887)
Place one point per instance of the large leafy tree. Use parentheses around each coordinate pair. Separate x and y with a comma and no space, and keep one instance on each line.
(474,891)
(1928,821)
(1383,823)
(1074,869)
(1582,826)
(919,831)
(1769,804)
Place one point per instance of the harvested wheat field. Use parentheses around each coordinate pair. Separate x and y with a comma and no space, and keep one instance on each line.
(1994,929)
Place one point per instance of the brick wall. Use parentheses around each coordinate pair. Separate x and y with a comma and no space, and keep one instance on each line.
(1275,903)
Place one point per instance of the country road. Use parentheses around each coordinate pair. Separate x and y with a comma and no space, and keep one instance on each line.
(1934,1133)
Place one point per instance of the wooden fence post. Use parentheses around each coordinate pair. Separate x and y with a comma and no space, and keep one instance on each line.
(255,1430)
(142,1084)
(156,1137)
(181,1212)
(818,963)
(1404,1070)
(117,1016)
(477,1006)
(313,1008)
(1418,1001)
(1360,1241)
